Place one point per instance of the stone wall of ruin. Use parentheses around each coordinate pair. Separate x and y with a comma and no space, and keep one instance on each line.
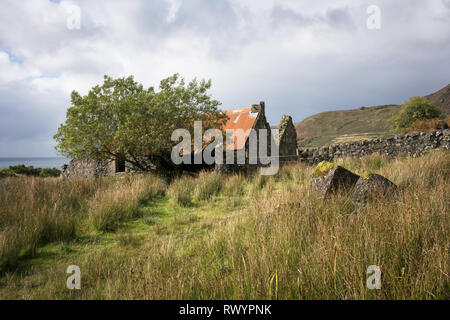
(88,169)
(287,138)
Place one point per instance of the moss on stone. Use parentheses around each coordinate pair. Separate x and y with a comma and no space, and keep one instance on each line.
(367,175)
(323,168)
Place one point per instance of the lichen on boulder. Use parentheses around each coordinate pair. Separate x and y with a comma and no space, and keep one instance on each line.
(372,185)
(366,175)
(329,178)
(323,167)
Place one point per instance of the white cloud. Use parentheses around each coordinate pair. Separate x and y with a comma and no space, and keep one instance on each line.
(13,71)
(302,57)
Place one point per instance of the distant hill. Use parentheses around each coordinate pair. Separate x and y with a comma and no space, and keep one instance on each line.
(345,125)
(441,99)
(358,124)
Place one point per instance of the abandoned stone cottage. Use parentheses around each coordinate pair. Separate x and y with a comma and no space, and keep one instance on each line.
(253,117)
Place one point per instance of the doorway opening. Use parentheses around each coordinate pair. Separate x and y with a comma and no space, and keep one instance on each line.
(120,165)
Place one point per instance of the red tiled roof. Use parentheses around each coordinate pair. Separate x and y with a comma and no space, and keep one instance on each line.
(243,119)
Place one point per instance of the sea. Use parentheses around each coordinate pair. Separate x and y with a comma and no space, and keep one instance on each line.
(50,162)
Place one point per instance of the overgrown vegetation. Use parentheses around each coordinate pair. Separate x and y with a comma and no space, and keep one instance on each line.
(110,206)
(416,108)
(35,211)
(279,241)
(208,184)
(181,191)
(429,125)
(17,170)
(121,119)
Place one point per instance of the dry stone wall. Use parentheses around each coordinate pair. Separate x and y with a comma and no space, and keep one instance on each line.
(411,144)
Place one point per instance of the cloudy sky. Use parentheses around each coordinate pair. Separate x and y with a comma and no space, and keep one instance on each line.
(300,57)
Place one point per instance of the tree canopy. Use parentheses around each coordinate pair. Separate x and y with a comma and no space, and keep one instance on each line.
(122,120)
(416,108)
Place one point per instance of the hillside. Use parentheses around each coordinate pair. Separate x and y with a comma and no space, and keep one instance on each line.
(345,125)
(441,99)
(358,124)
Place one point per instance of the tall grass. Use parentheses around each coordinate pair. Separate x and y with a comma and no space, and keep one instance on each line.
(287,243)
(34,211)
(258,182)
(290,244)
(208,184)
(365,165)
(234,185)
(122,200)
(186,189)
(181,191)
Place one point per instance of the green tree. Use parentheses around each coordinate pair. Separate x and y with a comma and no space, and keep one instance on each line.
(416,108)
(122,120)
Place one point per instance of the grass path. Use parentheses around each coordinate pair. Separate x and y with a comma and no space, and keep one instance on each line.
(159,220)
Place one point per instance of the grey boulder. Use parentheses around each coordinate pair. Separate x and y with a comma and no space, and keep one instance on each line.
(334,180)
(374,185)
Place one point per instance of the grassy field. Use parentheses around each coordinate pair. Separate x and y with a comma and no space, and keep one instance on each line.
(227,237)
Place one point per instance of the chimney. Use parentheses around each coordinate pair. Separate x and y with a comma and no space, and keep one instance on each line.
(263,107)
(259,108)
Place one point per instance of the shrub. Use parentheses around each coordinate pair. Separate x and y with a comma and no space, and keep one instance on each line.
(416,108)
(7,173)
(429,125)
(22,169)
(50,172)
